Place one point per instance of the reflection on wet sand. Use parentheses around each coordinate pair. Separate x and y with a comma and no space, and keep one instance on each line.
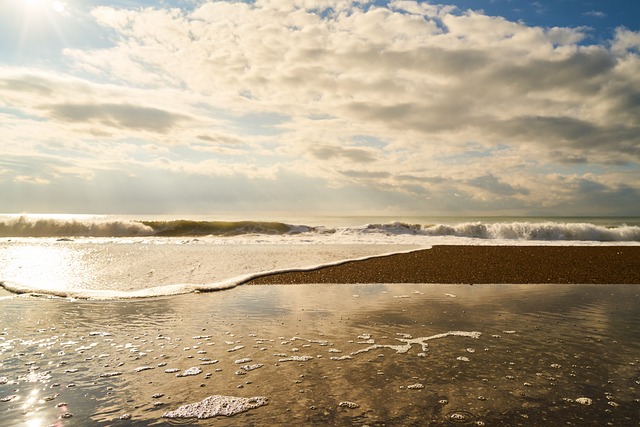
(329,355)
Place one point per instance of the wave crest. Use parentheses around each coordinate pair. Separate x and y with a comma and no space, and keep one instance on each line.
(514,230)
(541,231)
(536,231)
(51,227)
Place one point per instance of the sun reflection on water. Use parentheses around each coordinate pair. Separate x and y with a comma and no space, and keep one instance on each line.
(44,267)
(35,422)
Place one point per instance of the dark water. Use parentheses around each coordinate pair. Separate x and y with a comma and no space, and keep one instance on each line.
(541,348)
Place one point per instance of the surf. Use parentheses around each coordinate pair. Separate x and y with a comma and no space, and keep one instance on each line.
(23,226)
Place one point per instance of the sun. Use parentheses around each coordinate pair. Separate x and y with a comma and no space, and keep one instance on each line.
(43,5)
(41,20)
(58,6)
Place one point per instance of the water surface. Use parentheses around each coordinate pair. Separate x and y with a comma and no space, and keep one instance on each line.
(390,354)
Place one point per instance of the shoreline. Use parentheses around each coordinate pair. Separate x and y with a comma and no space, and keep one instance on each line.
(453,264)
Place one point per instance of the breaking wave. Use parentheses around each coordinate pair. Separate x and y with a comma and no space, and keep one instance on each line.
(537,231)
(547,231)
(50,227)
(534,231)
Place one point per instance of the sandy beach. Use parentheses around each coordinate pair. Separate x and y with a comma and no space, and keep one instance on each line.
(483,264)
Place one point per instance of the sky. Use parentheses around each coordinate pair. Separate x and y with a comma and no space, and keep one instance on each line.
(457,107)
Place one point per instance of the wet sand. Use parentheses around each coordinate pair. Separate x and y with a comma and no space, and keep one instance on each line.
(483,264)
(336,354)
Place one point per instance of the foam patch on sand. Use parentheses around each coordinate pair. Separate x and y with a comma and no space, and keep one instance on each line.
(217,405)
(422,341)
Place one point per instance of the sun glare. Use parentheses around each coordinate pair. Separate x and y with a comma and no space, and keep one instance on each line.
(41,22)
(58,6)
(43,5)
(49,267)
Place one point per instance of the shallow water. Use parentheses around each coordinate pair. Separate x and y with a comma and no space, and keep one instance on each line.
(540,348)
(119,268)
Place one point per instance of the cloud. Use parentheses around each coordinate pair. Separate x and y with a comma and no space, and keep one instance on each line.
(366,174)
(31,179)
(328,152)
(117,115)
(495,186)
(34,85)
(596,14)
(626,40)
(354,61)
(593,196)
(449,101)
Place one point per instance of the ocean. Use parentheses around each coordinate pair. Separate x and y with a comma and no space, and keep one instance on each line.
(107,256)
(111,320)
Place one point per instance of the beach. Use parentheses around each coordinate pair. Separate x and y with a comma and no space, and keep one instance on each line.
(350,213)
(483,264)
(382,325)
(344,353)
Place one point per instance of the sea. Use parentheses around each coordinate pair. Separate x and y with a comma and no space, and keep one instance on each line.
(112,320)
(110,256)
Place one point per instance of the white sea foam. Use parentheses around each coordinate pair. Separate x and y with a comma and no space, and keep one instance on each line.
(416,386)
(110,374)
(422,341)
(347,404)
(296,359)
(190,372)
(584,401)
(545,231)
(252,367)
(217,405)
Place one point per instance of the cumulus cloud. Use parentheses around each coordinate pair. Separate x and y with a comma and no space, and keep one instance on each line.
(406,65)
(626,40)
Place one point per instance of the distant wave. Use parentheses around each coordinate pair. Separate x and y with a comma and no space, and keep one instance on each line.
(541,231)
(517,231)
(47,227)
(217,228)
